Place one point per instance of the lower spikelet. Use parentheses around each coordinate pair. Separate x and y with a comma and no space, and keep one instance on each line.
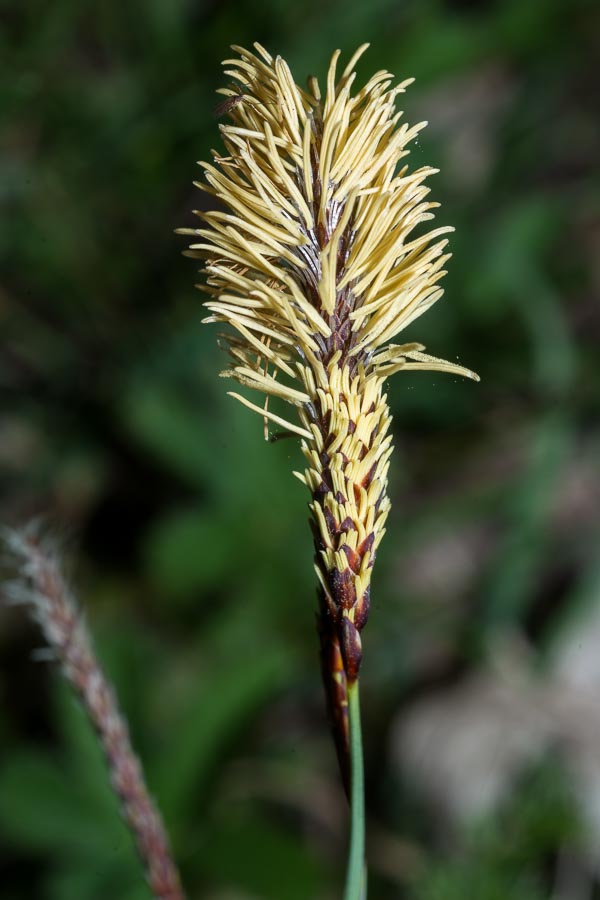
(347,477)
(311,257)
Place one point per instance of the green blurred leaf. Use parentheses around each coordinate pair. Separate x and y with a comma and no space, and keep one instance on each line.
(188,550)
(82,879)
(39,808)
(242,666)
(261,859)
(217,712)
(502,853)
(167,426)
(512,573)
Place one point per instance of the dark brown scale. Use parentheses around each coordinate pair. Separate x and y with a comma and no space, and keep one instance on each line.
(334,679)
(367,545)
(369,476)
(342,587)
(354,558)
(348,525)
(351,647)
(361,613)
(321,492)
(330,520)
(332,609)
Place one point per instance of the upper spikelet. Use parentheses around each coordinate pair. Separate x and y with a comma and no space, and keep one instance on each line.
(313,252)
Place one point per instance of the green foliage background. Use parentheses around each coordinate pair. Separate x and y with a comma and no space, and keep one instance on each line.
(188,535)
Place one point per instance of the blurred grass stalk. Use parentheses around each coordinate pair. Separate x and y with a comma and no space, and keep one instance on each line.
(42,589)
(310,258)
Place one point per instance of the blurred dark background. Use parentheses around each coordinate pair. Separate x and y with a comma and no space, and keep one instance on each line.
(186,535)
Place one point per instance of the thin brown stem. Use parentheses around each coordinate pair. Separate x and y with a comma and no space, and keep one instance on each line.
(50,602)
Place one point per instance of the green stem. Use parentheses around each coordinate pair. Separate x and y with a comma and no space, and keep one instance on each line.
(356,873)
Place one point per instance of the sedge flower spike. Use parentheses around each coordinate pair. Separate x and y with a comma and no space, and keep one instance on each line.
(311,257)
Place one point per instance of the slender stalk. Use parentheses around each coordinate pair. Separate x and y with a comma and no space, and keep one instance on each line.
(356,873)
(44,592)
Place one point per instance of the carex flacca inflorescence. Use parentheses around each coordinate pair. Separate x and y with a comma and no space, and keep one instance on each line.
(311,255)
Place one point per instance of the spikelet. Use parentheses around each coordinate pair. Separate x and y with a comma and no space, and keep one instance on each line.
(312,258)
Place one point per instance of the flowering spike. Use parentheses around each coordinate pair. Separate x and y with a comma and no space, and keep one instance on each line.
(314,263)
